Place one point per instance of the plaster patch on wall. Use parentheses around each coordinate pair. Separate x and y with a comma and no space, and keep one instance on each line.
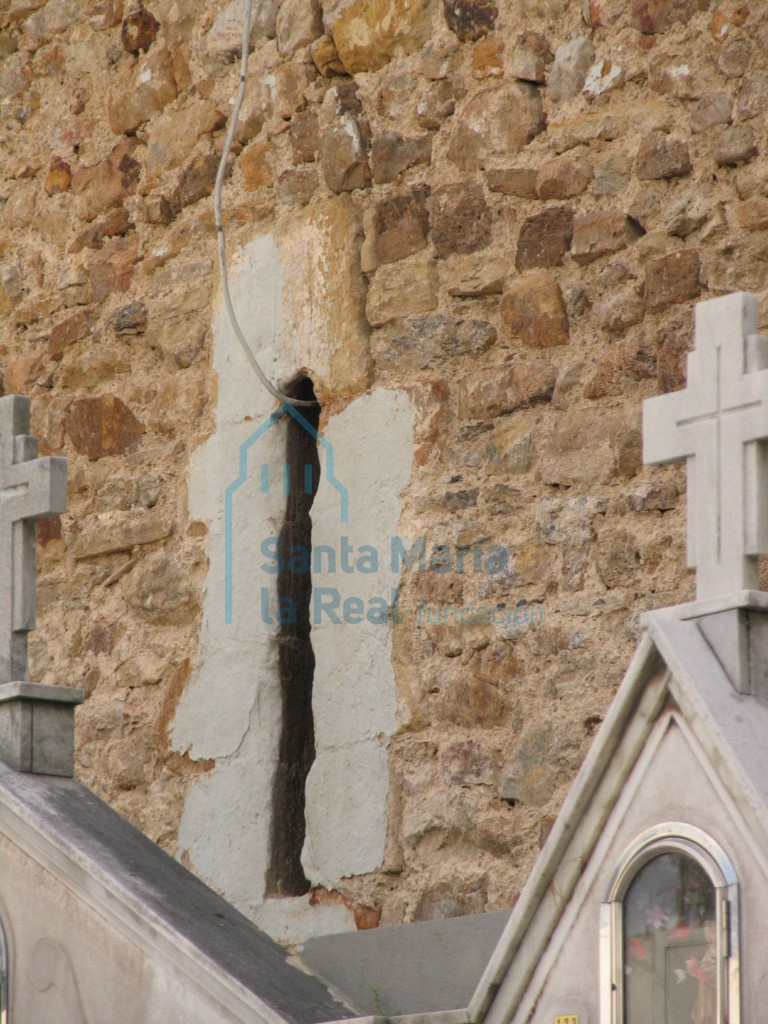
(354,699)
(230,709)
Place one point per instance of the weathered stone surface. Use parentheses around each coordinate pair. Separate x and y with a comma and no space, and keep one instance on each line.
(662,157)
(533,311)
(436,105)
(423,341)
(564,177)
(735,57)
(488,58)
(470,19)
(618,367)
(110,532)
(108,182)
(544,238)
(52,18)
(102,426)
(502,389)
(59,176)
(284,90)
(161,591)
(325,290)
(131,319)
(476,274)
(460,219)
(299,23)
(255,166)
(139,29)
(141,91)
(677,75)
(369,33)
(197,179)
(599,234)
(531,776)
(116,222)
(752,214)
(652,16)
(304,134)
(603,77)
(513,181)
(531,58)
(617,313)
(401,225)
(753,97)
(392,153)
(68,331)
(569,71)
(709,111)
(402,289)
(672,279)
(466,763)
(344,141)
(726,18)
(225,37)
(297,184)
(496,123)
(173,135)
(736,145)
(326,57)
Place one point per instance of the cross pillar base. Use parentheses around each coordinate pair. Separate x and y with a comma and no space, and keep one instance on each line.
(736,628)
(37,727)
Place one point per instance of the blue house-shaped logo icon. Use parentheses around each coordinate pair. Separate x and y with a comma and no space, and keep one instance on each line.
(287,483)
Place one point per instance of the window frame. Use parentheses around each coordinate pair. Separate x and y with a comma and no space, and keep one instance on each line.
(671,837)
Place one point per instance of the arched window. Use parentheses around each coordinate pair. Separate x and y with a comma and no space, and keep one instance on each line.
(670,932)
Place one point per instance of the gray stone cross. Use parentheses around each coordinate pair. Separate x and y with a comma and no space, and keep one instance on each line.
(30,489)
(719,424)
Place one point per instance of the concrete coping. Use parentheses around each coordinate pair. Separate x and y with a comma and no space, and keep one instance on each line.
(751,600)
(41,691)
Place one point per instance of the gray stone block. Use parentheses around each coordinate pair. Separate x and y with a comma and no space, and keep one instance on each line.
(37,727)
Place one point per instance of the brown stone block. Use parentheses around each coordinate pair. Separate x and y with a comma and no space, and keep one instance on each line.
(617,368)
(141,91)
(67,332)
(652,16)
(460,219)
(496,123)
(533,310)
(369,33)
(255,166)
(564,177)
(662,157)
(108,182)
(59,177)
(502,389)
(513,181)
(488,58)
(545,238)
(102,426)
(736,145)
(470,20)
(391,154)
(672,279)
(139,30)
(600,234)
(401,225)
(402,289)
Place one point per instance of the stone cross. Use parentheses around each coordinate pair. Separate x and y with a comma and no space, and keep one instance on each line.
(30,489)
(719,424)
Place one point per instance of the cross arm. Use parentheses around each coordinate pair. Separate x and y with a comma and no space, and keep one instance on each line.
(665,438)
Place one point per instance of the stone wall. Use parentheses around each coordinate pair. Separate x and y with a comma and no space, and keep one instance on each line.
(526,198)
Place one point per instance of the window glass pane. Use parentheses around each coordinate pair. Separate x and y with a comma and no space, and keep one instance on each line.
(670,954)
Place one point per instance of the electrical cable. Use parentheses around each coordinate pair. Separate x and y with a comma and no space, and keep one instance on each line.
(220,226)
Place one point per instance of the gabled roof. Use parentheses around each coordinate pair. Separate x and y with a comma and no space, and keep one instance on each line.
(673,660)
(160,905)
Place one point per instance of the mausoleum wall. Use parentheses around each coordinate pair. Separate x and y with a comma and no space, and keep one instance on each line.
(503,210)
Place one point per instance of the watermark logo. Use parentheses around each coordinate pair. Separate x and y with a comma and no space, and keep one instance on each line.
(366,575)
(265,482)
